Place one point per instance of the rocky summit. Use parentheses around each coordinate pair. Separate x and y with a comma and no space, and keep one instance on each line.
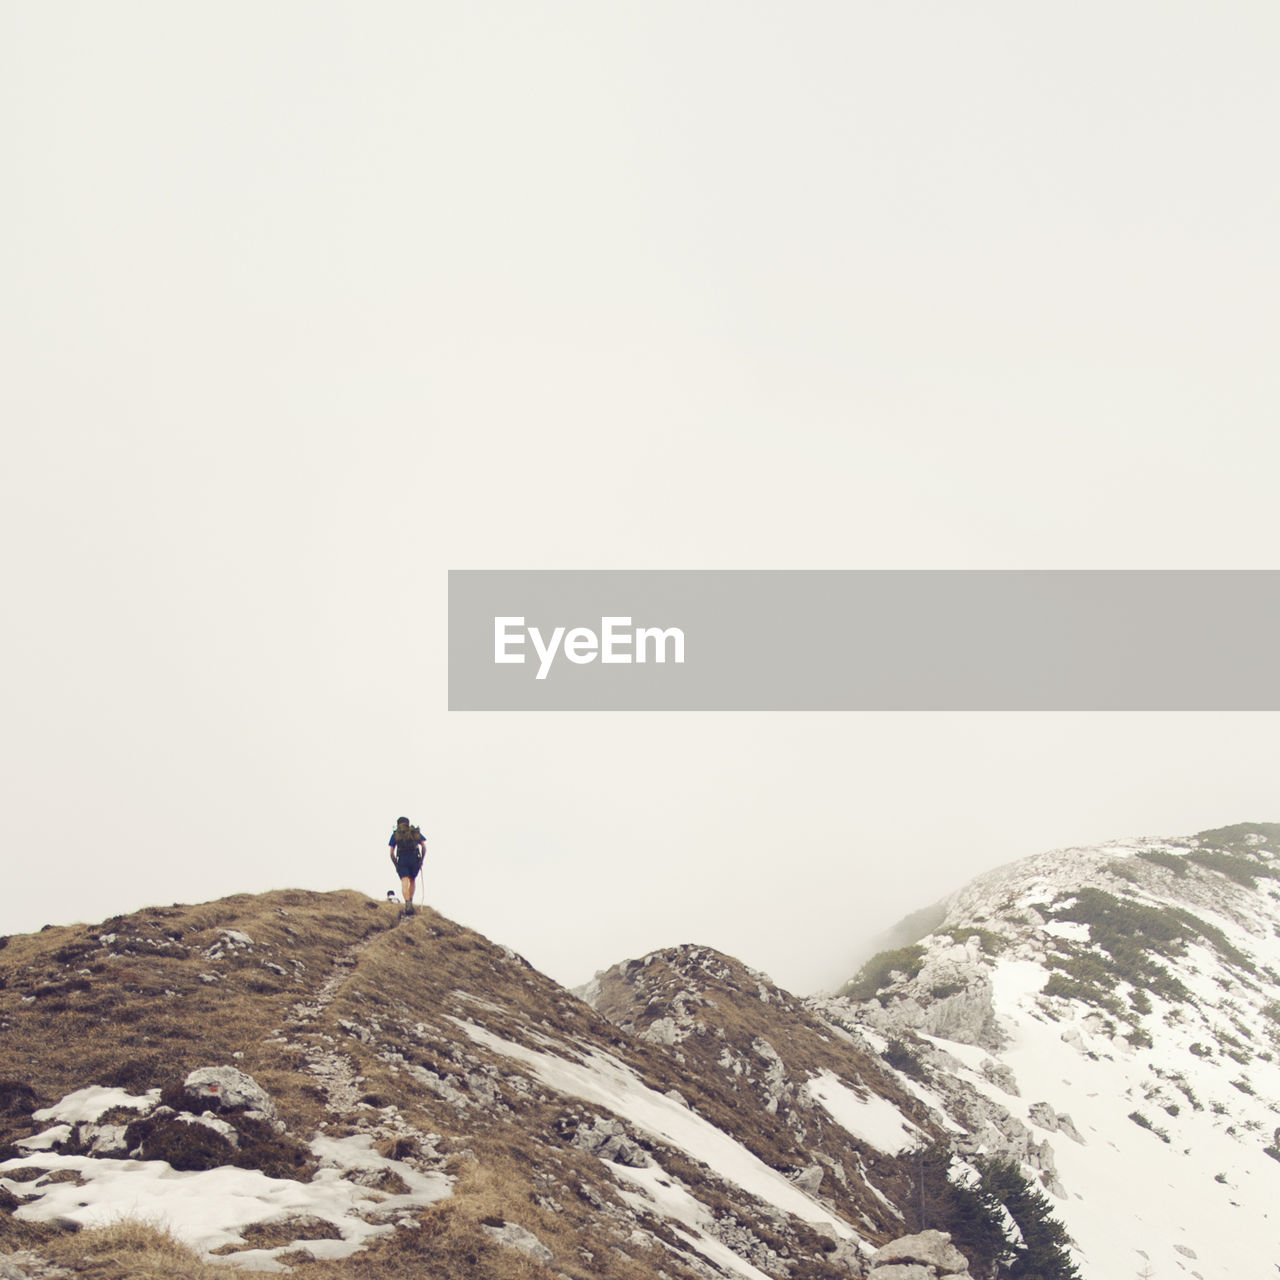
(1072,1074)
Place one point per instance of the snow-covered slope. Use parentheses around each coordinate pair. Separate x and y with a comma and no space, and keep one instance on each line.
(1110,1018)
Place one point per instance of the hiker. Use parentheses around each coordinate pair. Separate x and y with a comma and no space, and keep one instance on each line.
(407,847)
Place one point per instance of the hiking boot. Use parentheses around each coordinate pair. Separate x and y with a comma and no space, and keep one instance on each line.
(409,909)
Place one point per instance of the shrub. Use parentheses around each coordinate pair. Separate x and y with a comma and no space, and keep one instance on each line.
(992,944)
(188,1147)
(1134,934)
(17,1098)
(1139,1119)
(1243,870)
(1043,1248)
(878,972)
(1074,989)
(1170,861)
(1242,835)
(900,1055)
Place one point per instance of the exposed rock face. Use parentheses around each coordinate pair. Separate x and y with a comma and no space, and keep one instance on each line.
(965,1015)
(608,1140)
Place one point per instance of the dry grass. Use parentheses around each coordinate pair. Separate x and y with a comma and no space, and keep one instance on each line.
(500,1186)
(59,988)
(142,1016)
(130,1250)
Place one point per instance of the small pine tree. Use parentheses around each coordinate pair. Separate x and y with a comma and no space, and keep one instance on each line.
(1043,1253)
(977,1217)
(974,1220)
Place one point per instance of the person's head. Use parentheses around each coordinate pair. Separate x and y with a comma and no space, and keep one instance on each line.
(402,822)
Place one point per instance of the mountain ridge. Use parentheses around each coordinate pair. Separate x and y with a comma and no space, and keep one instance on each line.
(419,1097)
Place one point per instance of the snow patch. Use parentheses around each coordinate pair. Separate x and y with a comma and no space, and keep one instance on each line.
(209,1209)
(600,1078)
(872,1119)
(87,1105)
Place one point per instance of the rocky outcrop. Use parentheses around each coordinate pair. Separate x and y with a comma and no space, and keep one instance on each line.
(608,1140)
(228,1088)
(924,1256)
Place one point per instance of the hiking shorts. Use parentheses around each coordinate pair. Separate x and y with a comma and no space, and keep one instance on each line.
(408,865)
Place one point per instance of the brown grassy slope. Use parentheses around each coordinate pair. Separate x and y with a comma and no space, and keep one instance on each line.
(135,1011)
(357,1034)
(397,1015)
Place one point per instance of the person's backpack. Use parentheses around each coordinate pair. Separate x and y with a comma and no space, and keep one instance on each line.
(407,838)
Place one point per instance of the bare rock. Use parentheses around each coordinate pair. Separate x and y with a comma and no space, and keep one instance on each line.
(1067,1125)
(28,1266)
(607,1140)
(925,1249)
(1043,1114)
(226,1087)
(1000,1075)
(512,1236)
(903,1271)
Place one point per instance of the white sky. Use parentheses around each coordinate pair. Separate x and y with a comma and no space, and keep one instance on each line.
(306,303)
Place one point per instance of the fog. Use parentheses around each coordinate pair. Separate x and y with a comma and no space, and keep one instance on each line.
(305,305)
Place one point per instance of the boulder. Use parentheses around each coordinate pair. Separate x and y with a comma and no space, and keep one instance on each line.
(516,1237)
(1044,1115)
(228,1088)
(105,1139)
(926,1249)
